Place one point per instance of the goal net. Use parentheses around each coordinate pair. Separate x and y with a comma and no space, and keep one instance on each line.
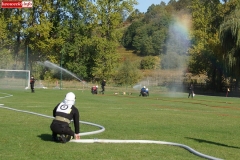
(14,79)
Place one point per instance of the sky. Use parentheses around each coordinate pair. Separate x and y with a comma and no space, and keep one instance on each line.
(144,4)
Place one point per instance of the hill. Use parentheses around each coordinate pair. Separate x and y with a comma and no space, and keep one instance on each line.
(161,77)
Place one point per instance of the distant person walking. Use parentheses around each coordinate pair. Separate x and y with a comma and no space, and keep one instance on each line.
(103,84)
(191,91)
(32,81)
(228,90)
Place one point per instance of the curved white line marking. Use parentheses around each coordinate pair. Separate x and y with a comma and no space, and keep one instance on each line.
(102,129)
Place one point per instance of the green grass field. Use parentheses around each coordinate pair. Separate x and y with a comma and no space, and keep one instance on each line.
(209,125)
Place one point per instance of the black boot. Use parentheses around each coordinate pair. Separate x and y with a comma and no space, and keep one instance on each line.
(62,138)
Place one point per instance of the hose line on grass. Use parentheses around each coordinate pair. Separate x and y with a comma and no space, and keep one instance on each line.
(102,129)
(146,142)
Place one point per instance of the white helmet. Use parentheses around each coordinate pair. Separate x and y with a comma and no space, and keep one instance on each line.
(70,98)
(97,86)
(144,86)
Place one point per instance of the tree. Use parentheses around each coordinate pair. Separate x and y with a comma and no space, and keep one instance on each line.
(149,38)
(180,4)
(206,49)
(3,31)
(77,28)
(127,74)
(109,16)
(129,34)
(230,40)
(134,16)
(13,27)
(150,62)
(6,59)
(104,58)
(108,20)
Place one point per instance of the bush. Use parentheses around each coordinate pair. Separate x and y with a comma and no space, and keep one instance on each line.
(127,74)
(149,62)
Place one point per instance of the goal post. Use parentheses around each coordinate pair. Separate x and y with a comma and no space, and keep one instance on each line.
(14,79)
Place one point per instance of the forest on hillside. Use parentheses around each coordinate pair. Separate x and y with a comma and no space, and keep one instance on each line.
(201,36)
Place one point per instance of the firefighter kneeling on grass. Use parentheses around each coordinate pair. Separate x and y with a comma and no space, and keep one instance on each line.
(144,92)
(64,112)
(94,89)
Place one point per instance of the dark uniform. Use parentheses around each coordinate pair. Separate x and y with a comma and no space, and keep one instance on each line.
(143,92)
(191,91)
(32,81)
(63,114)
(103,84)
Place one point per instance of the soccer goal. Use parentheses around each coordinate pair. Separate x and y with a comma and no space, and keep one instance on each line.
(14,79)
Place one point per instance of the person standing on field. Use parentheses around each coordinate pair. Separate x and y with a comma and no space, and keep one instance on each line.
(64,112)
(103,84)
(32,81)
(228,90)
(191,91)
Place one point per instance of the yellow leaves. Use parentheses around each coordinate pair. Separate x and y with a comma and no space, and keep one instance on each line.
(53,59)
(214,40)
(40,30)
(109,16)
(40,38)
(3,32)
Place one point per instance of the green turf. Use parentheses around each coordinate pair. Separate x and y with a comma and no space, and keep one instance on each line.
(207,124)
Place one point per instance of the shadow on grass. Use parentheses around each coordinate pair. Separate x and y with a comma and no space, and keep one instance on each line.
(211,142)
(45,137)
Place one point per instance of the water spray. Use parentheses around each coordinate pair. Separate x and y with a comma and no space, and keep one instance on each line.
(54,66)
(102,129)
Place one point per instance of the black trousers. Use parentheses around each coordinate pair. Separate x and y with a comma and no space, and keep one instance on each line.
(94,91)
(32,87)
(103,89)
(190,94)
(59,127)
(144,94)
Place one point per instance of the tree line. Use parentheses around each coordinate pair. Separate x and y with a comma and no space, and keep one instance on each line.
(84,36)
